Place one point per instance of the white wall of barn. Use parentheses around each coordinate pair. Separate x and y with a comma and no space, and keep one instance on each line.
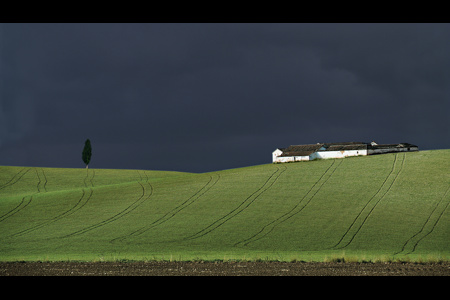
(277,159)
(283,159)
(301,158)
(337,154)
(275,155)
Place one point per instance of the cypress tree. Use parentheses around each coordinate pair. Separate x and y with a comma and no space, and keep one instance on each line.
(87,152)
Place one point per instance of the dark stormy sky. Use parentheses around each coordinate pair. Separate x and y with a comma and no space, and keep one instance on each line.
(201,97)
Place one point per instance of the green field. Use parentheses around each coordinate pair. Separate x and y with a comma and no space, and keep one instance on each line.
(388,207)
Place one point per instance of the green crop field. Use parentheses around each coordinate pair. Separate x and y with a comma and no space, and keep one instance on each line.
(388,207)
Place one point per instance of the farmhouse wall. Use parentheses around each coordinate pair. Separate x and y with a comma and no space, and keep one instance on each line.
(337,154)
(275,155)
(283,159)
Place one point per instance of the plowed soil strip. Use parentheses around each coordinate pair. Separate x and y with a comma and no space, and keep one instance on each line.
(221,269)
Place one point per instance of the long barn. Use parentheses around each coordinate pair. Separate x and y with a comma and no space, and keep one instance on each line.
(336,150)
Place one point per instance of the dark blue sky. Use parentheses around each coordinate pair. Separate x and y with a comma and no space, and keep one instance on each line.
(207,96)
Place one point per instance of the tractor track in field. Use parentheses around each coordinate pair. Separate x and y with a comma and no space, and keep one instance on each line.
(414,240)
(45,178)
(268,228)
(362,215)
(15,178)
(122,213)
(39,184)
(241,207)
(67,213)
(174,211)
(24,202)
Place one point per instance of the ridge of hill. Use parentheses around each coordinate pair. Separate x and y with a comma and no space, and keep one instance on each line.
(389,206)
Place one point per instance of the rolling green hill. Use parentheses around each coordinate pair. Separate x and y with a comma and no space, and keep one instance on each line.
(390,206)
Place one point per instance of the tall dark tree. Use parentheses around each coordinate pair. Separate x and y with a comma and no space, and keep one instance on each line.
(87,152)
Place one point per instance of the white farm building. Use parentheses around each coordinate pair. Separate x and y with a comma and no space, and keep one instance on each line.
(336,150)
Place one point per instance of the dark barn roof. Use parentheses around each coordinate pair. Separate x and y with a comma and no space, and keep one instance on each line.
(386,146)
(304,150)
(300,150)
(345,146)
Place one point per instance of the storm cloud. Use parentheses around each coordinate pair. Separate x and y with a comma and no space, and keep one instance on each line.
(203,96)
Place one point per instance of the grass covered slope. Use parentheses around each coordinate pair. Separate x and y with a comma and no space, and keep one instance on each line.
(390,206)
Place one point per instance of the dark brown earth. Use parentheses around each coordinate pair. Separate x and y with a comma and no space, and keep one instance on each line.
(222,269)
